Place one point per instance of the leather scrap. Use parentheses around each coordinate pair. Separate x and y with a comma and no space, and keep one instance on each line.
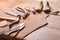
(33,22)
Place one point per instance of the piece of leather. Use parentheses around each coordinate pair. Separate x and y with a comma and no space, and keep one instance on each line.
(33,22)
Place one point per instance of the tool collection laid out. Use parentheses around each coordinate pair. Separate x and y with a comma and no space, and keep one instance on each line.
(24,20)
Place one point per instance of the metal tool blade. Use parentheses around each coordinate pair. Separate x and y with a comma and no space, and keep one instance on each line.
(20,26)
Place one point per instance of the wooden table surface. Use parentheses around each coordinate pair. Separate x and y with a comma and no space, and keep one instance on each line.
(52,30)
